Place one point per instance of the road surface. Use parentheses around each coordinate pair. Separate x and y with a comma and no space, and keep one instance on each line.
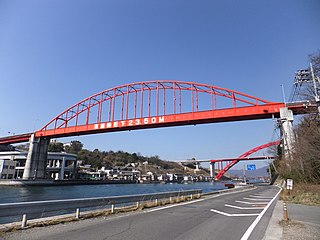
(234,215)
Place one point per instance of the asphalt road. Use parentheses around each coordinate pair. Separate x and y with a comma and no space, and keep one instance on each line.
(225,216)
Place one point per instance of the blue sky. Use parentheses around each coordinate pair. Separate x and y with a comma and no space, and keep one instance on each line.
(56,53)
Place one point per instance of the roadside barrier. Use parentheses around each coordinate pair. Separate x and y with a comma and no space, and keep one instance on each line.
(38,209)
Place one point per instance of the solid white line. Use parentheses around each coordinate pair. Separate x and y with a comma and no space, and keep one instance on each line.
(237,207)
(253,203)
(247,234)
(235,215)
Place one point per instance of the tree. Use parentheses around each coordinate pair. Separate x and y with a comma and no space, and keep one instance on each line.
(304,88)
(75,147)
(55,147)
(306,155)
(315,60)
(305,163)
(6,148)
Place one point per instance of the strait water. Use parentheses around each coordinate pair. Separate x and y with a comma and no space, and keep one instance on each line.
(10,194)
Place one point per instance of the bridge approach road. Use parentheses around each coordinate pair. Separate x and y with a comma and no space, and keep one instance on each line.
(225,216)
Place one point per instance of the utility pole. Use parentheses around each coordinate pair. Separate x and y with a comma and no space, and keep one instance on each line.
(244,174)
(270,175)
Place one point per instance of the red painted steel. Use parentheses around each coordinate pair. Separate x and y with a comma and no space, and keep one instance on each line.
(243,156)
(152,104)
(228,159)
(125,108)
(19,138)
(242,159)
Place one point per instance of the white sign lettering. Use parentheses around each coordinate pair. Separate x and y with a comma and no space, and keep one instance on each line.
(131,122)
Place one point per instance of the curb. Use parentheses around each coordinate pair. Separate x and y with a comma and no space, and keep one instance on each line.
(274,230)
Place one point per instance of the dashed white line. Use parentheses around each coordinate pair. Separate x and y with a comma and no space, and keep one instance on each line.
(253,203)
(256,199)
(260,197)
(247,234)
(247,208)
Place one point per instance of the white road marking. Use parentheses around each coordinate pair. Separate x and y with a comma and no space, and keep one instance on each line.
(194,201)
(247,234)
(236,214)
(260,197)
(253,203)
(175,205)
(237,207)
(256,199)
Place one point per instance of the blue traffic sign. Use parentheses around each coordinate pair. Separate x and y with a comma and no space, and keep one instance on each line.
(251,167)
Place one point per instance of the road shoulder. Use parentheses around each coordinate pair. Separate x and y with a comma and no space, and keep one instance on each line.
(275,230)
(303,224)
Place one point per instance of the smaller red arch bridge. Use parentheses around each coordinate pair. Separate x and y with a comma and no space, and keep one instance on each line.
(152,104)
(229,163)
(224,164)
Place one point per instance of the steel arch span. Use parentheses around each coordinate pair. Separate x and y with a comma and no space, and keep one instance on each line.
(152,104)
(159,103)
(230,164)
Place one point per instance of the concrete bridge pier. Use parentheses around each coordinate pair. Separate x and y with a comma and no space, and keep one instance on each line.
(197,166)
(36,162)
(212,170)
(61,173)
(286,118)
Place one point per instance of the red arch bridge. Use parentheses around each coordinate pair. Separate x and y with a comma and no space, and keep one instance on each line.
(152,104)
(218,167)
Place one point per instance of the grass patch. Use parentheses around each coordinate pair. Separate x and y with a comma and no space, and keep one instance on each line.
(302,194)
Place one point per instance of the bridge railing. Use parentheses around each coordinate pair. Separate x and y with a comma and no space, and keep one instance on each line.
(38,209)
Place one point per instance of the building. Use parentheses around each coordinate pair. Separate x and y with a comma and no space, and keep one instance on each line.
(116,173)
(59,165)
(7,169)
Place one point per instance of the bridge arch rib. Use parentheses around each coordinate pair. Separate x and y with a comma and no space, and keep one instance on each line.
(151,104)
(244,155)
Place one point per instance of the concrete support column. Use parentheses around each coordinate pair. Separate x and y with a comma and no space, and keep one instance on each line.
(212,170)
(286,117)
(36,159)
(74,171)
(197,166)
(61,173)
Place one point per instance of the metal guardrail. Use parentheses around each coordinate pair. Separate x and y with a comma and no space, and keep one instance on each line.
(21,208)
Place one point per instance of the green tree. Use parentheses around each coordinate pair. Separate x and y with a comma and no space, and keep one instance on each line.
(75,147)
(305,163)
(55,147)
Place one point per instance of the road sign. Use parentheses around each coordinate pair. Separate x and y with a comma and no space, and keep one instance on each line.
(289,184)
(251,167)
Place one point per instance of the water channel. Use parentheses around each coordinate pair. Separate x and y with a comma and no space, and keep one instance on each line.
(10,194)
